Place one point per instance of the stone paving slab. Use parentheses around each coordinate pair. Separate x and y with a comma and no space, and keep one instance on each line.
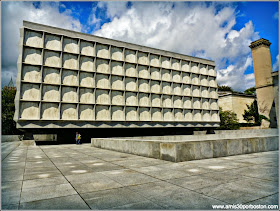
(155,190)
(10,197)
(40,169)
(41,175)
(204,180)
(266,172)
(12,175)
(111,198)
(143,205)
(129,177)
(73,202)
(12,166)
(10,207)
(32,165)
(133,163)
(186,199)
(103,166)
(43,182)
(68,170)
(96,185)
(46,192)
(82,177)
(241,191)
(164,174)
(8,147)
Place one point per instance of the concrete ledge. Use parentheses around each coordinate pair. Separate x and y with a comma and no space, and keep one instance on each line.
(192,147)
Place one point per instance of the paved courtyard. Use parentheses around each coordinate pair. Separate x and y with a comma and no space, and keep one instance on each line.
(82,177)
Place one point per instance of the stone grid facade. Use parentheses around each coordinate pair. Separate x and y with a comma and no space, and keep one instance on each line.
(69,76)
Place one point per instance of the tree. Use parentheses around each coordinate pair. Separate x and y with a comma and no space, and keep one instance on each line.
(225,88)
(252,114)
(8,110)
(228,120)
(250,91)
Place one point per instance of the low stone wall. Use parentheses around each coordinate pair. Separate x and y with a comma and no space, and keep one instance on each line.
(254,130)
(192,147)
(221,148)
(10,138)
(45,137)
(37,137)
(137,147)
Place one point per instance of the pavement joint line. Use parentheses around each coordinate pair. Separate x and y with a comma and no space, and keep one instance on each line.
(2,159)
(23,177)
(47,199)
(67,180)
(262,197)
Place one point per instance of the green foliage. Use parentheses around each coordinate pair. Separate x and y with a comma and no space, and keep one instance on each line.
(261,117)
(228,120)
(8,110)
(250,91)
(225,88)
(252,114)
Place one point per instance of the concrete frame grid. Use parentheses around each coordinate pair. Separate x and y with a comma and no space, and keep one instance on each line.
(69,77)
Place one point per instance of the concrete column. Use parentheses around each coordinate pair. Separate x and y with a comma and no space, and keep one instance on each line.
(28,139)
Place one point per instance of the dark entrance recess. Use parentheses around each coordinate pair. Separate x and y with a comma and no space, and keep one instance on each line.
(67,136)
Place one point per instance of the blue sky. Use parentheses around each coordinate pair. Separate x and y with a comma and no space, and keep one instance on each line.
(220,31)
(266,24)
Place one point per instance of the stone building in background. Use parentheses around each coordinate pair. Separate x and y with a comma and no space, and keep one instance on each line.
(236,102)
(267,88)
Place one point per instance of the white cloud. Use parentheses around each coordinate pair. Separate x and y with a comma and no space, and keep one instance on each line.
(113,8)
(275,66)
(194,29)
(188,28)
(13,14)
(276,15)
(233,75)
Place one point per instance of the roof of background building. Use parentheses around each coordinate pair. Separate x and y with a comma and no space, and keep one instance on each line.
(234,94)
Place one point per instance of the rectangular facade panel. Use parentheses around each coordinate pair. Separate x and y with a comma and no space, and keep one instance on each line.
(69,76)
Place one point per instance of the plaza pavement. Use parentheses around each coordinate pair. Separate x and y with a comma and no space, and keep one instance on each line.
(82,177)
